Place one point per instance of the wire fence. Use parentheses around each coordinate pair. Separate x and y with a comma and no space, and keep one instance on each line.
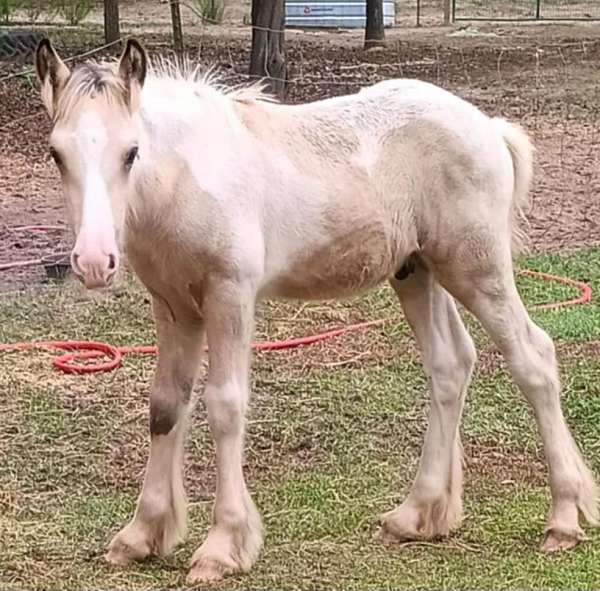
(526,10)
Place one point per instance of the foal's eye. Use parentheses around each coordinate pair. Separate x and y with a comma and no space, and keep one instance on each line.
(130,158)
(56,157)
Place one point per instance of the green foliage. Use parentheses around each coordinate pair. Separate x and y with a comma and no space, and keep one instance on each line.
(74,11)
(6,7)
(211,10)
(34,9)
(31,9)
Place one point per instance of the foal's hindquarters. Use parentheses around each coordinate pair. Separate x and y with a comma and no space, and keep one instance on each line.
(465,193)
(471,260)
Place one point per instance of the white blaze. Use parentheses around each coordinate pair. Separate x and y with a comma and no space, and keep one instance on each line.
(96,230)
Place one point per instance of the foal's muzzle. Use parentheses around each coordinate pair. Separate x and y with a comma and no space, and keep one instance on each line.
(95,269)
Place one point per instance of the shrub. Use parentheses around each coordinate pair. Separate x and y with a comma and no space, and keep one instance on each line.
(33,9)
(211,10)
(6,7)
(74,11)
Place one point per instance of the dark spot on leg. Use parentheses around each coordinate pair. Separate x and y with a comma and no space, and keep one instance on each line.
(164,412)
(167,400)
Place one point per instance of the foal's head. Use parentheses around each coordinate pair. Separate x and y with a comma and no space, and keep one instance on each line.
(94,142)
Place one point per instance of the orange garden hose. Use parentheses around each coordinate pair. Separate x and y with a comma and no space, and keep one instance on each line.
(83,350)
(585,290)
(78,351)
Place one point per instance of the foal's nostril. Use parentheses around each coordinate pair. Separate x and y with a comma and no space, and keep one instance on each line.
(112,261)
(75,263)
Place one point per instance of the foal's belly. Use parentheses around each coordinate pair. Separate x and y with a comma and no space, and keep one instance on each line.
(349,263)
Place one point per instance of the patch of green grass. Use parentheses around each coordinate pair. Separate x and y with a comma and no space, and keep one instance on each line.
(492,398)
(44,418)
(572,322)
(69,312)
(581,402)
(334,438)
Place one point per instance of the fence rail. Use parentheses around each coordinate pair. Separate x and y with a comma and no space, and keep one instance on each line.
(525,10)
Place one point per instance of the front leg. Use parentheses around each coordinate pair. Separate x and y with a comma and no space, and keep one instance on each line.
(235,537)
(160,520)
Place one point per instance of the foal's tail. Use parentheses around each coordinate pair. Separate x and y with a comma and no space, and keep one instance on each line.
(521,152)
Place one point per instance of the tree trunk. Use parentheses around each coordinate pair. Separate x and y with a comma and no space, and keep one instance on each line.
(447,12)
(111,21)
(374,31)
(177,30)
(268,44)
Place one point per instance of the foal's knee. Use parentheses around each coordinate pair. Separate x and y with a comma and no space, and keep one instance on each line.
(168,398)
(226,408)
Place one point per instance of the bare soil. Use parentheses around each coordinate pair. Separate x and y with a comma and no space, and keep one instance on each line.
(544,77)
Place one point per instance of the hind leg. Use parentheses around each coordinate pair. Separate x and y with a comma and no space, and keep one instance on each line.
(434,505)
(485,284)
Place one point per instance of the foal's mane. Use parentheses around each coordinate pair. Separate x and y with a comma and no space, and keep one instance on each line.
(92,78)
(162,68)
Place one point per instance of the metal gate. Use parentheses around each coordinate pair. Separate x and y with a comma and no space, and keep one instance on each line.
(525,10)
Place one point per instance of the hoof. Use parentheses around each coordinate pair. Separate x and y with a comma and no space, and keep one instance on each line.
(207,570)
(423,521)
(121,554)
(399,525)
(558,541)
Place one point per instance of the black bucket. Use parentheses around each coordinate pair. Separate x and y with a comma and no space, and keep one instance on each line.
(57,265)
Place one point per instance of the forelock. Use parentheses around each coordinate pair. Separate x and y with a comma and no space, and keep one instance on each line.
(90,80)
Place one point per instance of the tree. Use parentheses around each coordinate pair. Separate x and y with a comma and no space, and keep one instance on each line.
(374,31)
(111,21)
(177,29)
(447,12)
(267,59)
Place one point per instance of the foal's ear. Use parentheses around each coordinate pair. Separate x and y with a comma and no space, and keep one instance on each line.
(132,70)
(52,74)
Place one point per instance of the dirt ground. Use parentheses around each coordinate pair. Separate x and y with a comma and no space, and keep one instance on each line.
(543,76)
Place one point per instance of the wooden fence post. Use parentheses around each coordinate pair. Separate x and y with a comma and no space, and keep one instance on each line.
(268,44)
(374,30)
(177,30)
(111,21)
(447,12)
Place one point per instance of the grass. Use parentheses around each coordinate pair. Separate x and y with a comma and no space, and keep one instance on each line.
(334,437)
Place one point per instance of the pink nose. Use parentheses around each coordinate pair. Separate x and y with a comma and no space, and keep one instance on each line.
(95,269)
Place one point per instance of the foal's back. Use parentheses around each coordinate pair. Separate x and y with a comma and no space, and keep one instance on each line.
(372,178)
